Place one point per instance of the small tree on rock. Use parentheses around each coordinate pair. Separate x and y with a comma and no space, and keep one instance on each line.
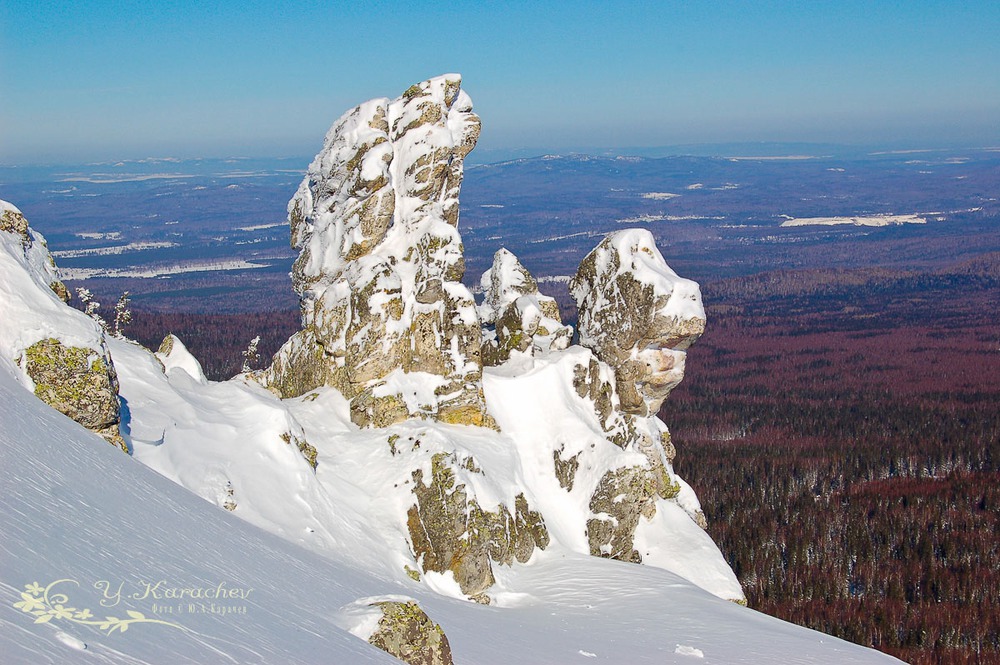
(91,306)
(123,315)
(250,355)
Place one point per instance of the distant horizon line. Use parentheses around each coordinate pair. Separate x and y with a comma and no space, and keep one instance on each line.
(722,149)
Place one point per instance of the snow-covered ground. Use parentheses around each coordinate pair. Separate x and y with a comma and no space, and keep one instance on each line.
(149,272)
(113,250)
(645,219)
(73,508)
(112,178)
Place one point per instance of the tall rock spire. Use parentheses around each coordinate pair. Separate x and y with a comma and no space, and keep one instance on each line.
(380,268)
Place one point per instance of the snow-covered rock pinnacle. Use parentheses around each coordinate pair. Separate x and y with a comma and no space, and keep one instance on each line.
(381,261)
(638,316)
(522,319)
(389,326)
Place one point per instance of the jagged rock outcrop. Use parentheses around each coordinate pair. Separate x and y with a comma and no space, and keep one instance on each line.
(381,262)
(595,382)
(522,319)
(406,632)
(13,221)
(638,316)
(388,324)
(449,531)
(61,352)
(625,493)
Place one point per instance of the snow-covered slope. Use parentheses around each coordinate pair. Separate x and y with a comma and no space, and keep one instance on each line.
(31,309)
(227,442)
(73,508)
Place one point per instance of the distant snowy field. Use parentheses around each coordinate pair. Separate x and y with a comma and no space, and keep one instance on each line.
(870,220)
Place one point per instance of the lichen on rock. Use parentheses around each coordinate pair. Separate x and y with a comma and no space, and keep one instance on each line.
(13,221)
(595,382)
(62,353)
(60,290)
(406,632)
(449,531)
(565,469)
(78,382)
(621,498)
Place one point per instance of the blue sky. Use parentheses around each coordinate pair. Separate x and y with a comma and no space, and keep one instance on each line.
(98,80)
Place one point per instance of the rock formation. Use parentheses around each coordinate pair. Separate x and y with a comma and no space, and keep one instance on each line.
(398,626)
(388,324)
(638,316)
(564,445)
(79,382)
(523,319)
(449,531)
(61,352)
(381,262)
(12,221)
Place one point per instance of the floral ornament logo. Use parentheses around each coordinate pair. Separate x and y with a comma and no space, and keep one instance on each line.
(46,605)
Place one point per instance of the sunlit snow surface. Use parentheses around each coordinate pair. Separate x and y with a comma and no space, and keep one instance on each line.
(72,507)
(861,220)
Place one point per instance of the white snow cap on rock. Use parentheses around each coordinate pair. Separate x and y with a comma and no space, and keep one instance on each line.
(175,357)
(633,252)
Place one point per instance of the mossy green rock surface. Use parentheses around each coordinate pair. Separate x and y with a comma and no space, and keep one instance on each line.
(78,382)
(451,532)
(406,632)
